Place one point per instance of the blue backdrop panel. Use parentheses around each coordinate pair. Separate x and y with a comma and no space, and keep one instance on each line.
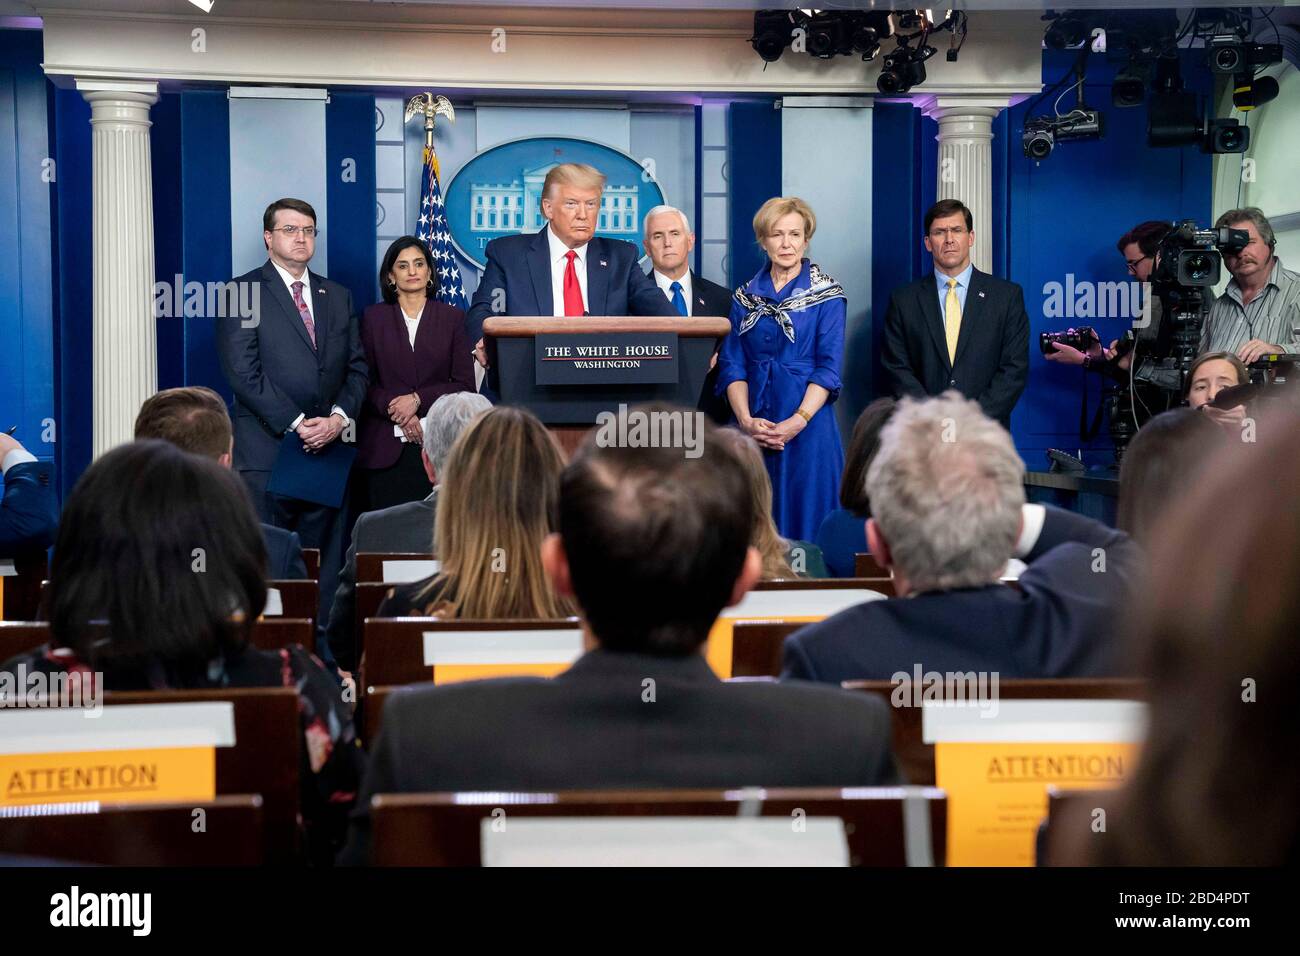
(74,405)
(168,216)
(26,301)
(350,136)
(754,167)
(897,178)
(205,205)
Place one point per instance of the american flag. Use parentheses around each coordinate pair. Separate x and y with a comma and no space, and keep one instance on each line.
(432,230)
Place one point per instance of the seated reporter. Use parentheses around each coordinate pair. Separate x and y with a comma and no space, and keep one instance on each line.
(494,510)
(195,419)
(417,350)
(1210,374)
(402,528)
(843,533)
(126,599)
(781,558)
(1164,459)
(652,545)
(1217,781)
(947,513)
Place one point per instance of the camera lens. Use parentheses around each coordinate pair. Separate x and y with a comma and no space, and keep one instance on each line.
(1227,59)
(1198,267)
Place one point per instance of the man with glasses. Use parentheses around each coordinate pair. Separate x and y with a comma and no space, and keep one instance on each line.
(565,269)
(299,374)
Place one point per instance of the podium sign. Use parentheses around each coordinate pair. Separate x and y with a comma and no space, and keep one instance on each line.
(569,370)
(606,359)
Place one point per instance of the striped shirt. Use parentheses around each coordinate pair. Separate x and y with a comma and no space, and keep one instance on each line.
(1273,315)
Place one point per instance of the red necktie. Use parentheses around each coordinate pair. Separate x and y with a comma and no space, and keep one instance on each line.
(304,312)
(572,291)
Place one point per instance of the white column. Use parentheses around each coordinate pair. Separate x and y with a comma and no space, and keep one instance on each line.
(125,363)
(965,169)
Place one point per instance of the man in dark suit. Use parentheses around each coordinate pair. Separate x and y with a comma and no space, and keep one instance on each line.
(668,242)
(298,372)
(406,527)
(948,511)
(563,270)
(195,419)
(959,327)
(652,545)
(28,516)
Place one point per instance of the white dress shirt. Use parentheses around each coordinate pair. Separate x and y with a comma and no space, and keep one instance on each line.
(305,279)
(665,283)
(412,326)
(560,263)
(16,456)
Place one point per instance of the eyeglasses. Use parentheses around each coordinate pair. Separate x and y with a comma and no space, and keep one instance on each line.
(1134,263)
(291,231)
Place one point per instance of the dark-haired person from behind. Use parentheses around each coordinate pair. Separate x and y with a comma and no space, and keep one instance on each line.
(1217,781)
(417,351)
(843,534)
(195,419)
(125,599)
(652,545)
(1161,463)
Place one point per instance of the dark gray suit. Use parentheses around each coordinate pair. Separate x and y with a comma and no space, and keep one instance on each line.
(992,363)
(284,561)
(710,299)
(1060,621)
(277,375)
(593,728)
(404,527)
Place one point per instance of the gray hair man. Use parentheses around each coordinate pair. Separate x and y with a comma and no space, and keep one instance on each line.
(1259,312)
(402,528)
(948,512)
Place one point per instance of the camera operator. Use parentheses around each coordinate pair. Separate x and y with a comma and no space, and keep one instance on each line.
(1138,246)
(1259,312)
(1210,374)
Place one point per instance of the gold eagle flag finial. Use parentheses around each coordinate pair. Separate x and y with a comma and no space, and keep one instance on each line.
(430,106)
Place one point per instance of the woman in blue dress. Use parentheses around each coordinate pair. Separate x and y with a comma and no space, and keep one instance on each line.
(780,368)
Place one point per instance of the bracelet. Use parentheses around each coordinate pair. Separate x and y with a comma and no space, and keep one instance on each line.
(802,414)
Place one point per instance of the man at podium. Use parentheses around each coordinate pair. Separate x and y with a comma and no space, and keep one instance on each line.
(565,269)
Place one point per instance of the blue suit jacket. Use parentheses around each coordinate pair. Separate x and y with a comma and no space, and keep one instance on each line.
(276,374)
(284,560)
(1059,623)
(520,267)
(27,516)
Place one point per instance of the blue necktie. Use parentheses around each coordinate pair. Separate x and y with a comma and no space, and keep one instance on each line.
(678,302)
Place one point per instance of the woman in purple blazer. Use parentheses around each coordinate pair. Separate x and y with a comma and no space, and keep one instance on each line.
(417,351)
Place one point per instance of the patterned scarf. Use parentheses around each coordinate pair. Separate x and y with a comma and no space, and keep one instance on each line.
(822,289)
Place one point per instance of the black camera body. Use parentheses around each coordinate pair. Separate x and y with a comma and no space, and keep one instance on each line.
(1081,338)
(1189,263)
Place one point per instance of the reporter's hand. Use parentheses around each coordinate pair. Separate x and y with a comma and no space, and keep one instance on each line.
(1229,418)
(1256,349)
(7,444)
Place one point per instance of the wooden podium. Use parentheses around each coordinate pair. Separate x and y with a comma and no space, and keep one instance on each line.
(566,371)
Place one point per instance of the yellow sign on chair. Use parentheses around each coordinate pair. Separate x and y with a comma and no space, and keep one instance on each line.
(804,606)
(996,763)
(474,655)
(128,754)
